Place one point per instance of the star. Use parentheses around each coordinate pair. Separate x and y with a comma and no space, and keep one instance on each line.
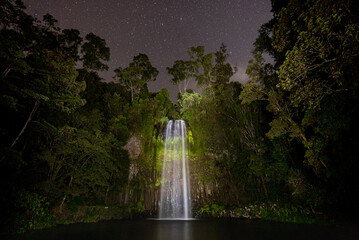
(164,30)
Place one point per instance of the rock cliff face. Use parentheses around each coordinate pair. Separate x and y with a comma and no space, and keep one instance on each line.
(141,192)
(145,191)
(133,146)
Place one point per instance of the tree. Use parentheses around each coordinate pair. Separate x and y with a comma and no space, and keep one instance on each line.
(307,89)
(222,70)
(79,164)
(183,72)
(55,85)
(94,52)
(14,37)
(315,61)
(205,62)
(134,77)
(212,74)
(70,42)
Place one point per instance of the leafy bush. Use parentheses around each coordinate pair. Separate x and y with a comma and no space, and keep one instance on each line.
(264,211)
(213,210)
(274,212)
(32,212)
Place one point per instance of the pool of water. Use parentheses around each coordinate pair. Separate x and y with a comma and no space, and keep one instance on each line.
(193,229)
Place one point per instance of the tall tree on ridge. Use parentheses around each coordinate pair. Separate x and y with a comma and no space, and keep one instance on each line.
(134,77)
(95,51)
(183,72)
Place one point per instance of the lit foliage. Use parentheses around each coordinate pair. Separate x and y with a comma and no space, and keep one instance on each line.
(311,90)
(288,135)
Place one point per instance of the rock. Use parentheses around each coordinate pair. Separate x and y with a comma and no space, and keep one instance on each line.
(133,146)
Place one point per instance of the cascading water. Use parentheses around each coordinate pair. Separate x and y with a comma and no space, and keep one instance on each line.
(175,189)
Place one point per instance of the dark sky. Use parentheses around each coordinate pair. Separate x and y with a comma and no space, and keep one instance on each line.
(163,29)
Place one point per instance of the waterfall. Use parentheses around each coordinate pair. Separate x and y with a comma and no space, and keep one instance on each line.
(175,188)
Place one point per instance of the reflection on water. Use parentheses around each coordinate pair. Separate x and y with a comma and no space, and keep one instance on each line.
(173,229)
(193,230)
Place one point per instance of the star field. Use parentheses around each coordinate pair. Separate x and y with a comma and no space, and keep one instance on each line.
(163,29)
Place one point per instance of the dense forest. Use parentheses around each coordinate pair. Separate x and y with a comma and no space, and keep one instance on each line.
(283,146)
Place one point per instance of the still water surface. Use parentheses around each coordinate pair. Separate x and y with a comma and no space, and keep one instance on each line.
(193,230)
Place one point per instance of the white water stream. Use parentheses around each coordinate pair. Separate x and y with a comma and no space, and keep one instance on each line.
(175,188)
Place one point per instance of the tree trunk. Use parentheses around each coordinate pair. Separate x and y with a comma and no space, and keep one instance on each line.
(65,196)
(264,187)
(186,82)
(179,88)
(108,189)
(62,203)
(5,72)
(34,108)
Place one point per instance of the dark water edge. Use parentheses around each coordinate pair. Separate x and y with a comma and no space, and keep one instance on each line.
(196,229)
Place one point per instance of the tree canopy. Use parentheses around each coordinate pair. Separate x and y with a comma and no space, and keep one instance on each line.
(282,146)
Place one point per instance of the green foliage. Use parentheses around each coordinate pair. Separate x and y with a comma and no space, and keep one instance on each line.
(71,148)
(80,160)
(33,212)
(136,76)
(263,211)
(307,91)
(213,210)
(189,104)
(95,51)
(118,128)
(273,212)
(59,85)
(202,68)
(87,150)
(183,71)
(276,141)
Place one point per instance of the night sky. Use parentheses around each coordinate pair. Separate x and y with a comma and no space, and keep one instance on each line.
(163,29)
